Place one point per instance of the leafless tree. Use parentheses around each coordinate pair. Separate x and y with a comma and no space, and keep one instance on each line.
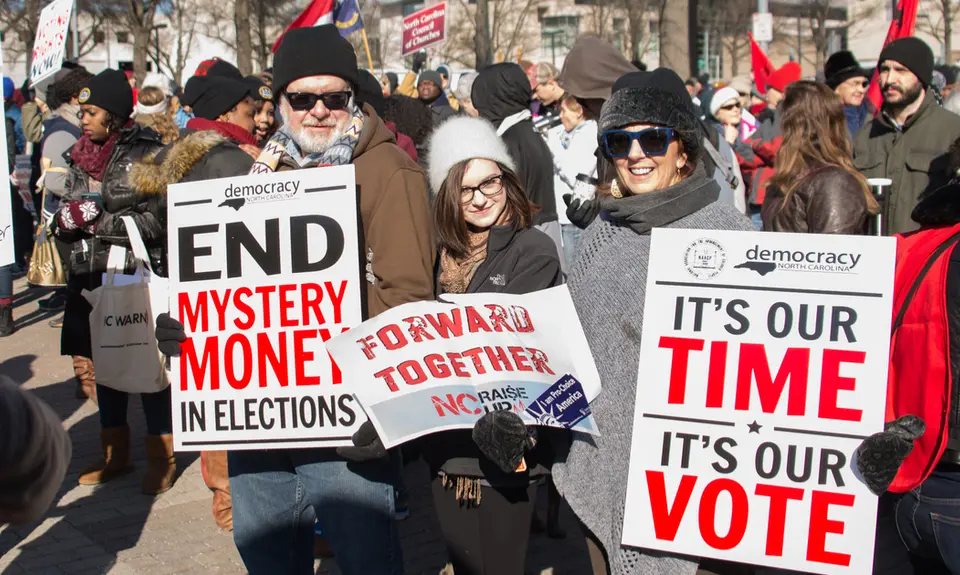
(937,20)
(825,19)
(267,19)
(730,21)
(241,20)
(177,41)
(509,31)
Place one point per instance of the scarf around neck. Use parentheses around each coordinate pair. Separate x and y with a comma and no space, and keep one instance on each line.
(282,143)
(69,112)
(643,212)
(456,273)
(226,129)
(92,157)
(513,120)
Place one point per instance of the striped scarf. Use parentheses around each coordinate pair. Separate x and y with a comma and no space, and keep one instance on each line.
(339,153)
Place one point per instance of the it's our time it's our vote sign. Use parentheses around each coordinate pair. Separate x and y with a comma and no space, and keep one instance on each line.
(263,270)
(763,365)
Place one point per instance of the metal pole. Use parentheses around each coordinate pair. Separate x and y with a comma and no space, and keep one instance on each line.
(74,22)
(763,7)
(706,53)
(879,185)
(106,38)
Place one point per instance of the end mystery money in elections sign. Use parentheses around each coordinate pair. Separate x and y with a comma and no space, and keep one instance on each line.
(264,269)
(763,365)
(425,367)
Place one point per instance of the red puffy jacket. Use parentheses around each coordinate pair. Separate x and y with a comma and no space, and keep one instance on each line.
(920,378)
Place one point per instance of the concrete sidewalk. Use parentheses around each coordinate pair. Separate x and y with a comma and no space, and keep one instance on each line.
(115,529)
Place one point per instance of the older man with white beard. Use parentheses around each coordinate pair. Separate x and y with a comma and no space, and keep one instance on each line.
(277,494)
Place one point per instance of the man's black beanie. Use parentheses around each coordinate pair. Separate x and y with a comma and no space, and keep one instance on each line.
(914,54)
(109,90)
(213,96)
(313,51)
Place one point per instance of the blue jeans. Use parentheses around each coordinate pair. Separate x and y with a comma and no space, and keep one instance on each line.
(6,281)
(928,519)
(755,216)
(278,495)
(571,239)
(156,409)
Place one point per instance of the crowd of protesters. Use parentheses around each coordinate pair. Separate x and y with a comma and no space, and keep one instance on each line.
(511,179)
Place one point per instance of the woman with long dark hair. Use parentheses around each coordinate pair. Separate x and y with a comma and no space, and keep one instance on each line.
(98,195)
(484,223)
(816,188)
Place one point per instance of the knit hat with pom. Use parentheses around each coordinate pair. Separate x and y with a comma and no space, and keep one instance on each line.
(463,138)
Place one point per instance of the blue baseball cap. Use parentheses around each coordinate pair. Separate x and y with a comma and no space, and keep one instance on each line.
(8,88)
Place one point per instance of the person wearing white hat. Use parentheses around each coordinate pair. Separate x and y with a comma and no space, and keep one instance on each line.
(726,109)
(484,224)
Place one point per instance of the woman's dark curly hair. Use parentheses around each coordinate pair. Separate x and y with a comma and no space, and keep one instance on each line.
(411,116)
(68,87)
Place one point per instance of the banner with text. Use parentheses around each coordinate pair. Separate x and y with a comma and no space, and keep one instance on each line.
(424,28)
(50,42)
(7,254)
(264,269)
(763,365)
(431,366)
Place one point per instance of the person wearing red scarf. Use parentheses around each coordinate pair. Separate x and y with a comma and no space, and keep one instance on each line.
(98,194)
(224,105)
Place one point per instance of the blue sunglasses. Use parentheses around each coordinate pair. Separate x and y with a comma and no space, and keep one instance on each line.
(653,142)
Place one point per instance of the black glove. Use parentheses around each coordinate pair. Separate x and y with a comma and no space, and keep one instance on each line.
(170,335)
(366,445)
(581,214)
(419,60)
(503,438)
(879,456)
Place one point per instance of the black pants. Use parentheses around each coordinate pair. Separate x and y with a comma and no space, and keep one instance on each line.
(490,539)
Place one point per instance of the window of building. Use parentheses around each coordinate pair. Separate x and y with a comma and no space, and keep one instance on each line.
(557,35)
(411,7)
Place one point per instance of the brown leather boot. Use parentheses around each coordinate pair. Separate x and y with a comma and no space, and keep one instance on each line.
(161,464)
(213,465)
(86,378)
(116,457)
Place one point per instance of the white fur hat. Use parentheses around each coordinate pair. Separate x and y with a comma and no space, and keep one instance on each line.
(463,138)
(721,97)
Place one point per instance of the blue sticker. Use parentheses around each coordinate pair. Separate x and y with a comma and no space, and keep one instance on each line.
(563,404)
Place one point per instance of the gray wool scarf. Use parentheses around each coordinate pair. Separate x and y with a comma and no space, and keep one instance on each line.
(607,285)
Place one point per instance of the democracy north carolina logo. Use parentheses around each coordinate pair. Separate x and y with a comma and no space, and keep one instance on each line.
(765,261)
(705,258)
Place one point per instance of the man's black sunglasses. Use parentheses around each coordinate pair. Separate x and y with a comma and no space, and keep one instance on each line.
(303,101)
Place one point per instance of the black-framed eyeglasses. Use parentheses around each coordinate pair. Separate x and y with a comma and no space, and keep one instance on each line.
(733,106)
(653,141)
(333,101)
(489,188)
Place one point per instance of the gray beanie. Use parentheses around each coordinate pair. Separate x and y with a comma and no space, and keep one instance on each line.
(463,138)
(430,76)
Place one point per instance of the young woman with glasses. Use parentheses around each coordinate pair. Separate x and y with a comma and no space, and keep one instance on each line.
(487,244)
(650,133)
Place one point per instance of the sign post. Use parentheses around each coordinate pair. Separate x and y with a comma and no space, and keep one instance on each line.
(763,365)
(424,28)
(50,42)
(264,270)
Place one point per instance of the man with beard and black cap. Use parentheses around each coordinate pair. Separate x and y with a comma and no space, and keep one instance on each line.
(907,142)
(278,494)
(843,74)
(501,93)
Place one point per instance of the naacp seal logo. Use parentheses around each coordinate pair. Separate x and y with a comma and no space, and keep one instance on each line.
(84,95)
(265,93)
(705,258)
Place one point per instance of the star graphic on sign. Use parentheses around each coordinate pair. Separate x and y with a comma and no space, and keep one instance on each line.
(754,427)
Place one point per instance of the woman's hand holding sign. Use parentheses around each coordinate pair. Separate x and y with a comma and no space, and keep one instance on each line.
(170,334)
(879,456)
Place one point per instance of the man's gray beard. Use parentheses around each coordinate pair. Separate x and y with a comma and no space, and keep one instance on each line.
(308,143)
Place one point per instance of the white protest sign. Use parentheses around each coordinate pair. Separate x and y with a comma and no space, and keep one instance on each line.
(431,366)
(50,42)
(263,270)
(7,254)
(763,365)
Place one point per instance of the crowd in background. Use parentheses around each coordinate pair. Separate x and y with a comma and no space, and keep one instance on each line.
(513,179)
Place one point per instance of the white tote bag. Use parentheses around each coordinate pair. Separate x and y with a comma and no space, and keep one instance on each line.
(125,352)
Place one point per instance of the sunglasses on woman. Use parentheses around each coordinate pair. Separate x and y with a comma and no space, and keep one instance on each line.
(489,188)
(733,106)
(333,101)
(653,141)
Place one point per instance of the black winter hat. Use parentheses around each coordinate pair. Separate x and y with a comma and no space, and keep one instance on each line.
(224,69)
(212,96)
(658,97)
(840,67)
(369,91)
(313,51)
(258,88)
(913,53)
(109,90)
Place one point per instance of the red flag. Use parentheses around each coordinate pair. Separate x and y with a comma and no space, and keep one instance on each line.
(319,12)
(901,26)
(762,68)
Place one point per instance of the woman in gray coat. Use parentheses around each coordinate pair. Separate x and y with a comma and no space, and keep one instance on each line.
(650,133)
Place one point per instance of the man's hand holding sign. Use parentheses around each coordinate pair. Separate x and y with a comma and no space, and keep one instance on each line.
(762,369)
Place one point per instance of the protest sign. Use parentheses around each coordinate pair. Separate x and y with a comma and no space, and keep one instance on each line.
(431,366)
(424,28)
(50,42)
(264,269)
(7,254)
(763,365)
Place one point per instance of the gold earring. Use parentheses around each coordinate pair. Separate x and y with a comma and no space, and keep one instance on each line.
(615,189)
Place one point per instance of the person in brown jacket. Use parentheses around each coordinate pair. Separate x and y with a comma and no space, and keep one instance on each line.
(277,494)
(816,188)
